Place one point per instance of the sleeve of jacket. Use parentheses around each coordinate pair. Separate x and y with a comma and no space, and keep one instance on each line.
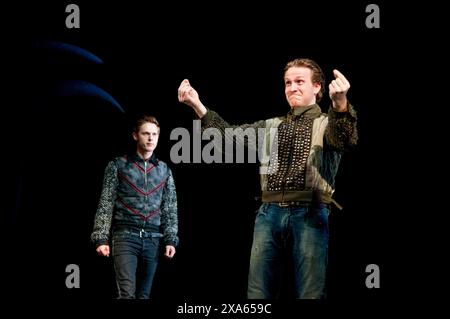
(169,212)
(103,217)
(341,133)
(246,134)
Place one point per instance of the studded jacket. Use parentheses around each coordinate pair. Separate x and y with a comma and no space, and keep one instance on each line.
(299,153)
(138,195)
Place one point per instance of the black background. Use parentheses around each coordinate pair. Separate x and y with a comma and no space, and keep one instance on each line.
(234,56)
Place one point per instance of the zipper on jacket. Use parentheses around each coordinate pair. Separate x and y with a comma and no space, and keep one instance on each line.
(145,179)
(291,152)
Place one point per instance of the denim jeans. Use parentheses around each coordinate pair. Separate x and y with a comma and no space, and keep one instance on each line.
(295,234)
(135,262)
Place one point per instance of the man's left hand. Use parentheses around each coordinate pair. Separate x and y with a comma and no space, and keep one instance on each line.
(338,91)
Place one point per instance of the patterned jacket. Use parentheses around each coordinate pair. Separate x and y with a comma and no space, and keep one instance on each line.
(137,194)
(299,153)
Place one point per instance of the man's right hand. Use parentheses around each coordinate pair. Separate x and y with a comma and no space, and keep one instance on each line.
(189,96)
(103,250)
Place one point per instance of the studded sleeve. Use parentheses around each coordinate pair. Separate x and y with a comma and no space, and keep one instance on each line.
(341,133)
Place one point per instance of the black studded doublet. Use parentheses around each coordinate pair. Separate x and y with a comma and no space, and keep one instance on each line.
(288,162)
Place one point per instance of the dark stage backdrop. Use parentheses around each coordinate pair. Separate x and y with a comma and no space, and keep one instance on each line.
(88,83)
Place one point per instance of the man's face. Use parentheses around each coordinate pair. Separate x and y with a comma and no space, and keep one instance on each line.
(298,87)
(147,137)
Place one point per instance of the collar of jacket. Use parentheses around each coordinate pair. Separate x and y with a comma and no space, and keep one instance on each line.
(134,157)
(310,111)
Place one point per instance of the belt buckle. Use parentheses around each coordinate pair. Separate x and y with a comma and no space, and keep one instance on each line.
(141,232)
(283,204)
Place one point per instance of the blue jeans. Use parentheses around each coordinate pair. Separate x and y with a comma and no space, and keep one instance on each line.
(297,234)
(135,262)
